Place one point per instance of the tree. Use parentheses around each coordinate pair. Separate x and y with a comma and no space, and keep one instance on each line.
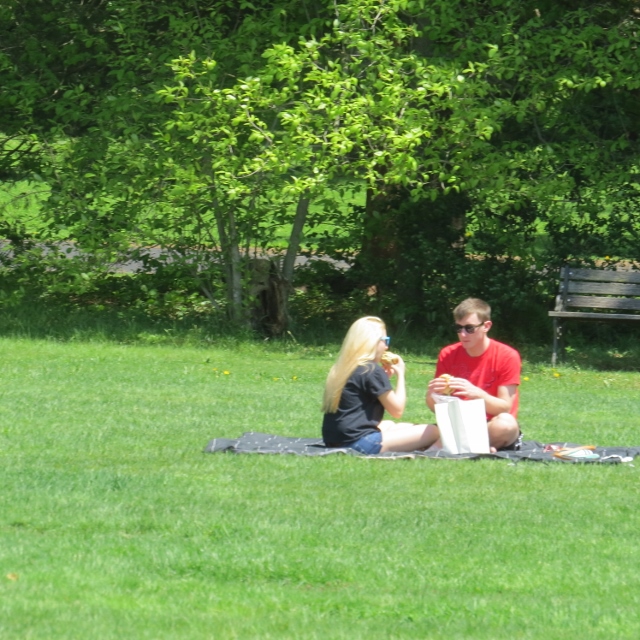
(100,65)
(473,126)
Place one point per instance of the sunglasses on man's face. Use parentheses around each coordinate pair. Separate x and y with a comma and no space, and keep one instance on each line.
(386,340)
(467,328)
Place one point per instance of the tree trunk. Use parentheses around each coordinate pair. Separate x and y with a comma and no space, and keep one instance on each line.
(282,281)
(232,263)
(230,248)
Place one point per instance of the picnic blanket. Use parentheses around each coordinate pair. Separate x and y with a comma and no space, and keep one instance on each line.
(264,443)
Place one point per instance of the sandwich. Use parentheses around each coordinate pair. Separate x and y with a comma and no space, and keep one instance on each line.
(389,358)
(447,390)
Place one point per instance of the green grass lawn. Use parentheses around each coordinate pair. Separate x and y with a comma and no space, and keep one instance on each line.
(114,524)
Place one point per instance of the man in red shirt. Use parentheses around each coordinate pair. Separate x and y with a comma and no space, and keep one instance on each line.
(481,368)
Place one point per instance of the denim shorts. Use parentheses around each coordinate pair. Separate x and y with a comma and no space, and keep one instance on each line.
(369,444)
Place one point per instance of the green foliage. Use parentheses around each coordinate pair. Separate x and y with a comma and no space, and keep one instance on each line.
(496,140)
(325,302)
(67,279)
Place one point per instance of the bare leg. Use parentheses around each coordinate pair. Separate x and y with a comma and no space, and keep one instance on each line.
(503,430)
(390,425)
(405,436)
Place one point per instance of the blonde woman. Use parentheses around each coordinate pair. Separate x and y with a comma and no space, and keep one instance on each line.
(358,392)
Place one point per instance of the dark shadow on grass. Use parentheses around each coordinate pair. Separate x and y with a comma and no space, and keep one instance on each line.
(601,348)
(64,323)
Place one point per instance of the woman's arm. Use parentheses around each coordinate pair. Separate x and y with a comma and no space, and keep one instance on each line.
(394,402)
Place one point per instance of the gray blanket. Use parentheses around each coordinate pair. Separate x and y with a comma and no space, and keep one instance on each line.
(252,442)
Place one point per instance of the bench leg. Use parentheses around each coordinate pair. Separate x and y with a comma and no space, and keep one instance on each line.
(557,341)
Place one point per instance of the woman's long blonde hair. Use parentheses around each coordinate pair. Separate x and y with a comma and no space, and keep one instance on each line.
(358,347)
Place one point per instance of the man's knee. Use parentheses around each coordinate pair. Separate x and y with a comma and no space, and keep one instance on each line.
(503,430)
(504,421)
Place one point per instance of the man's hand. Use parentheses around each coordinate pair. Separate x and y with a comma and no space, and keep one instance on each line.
(463,388)
(454,387)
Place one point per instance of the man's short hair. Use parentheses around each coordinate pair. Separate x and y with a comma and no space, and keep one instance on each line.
(472,305)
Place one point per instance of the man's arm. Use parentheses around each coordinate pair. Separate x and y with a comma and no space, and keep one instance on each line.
(436,386)
(507,396)
(462,388)
(494,405)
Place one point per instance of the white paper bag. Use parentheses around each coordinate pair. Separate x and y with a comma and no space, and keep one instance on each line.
(462,425)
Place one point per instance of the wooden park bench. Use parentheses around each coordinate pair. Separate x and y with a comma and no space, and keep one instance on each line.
(594,294)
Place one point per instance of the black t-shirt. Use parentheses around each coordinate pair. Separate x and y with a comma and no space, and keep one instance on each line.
(359,411)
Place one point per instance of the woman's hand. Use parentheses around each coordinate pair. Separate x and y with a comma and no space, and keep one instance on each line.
(398,368)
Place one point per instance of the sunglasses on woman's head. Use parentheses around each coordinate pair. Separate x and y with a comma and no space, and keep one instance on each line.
(386,340)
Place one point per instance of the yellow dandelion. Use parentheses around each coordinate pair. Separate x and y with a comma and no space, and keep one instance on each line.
(526,379)
(275,379)
(294,377)
(226,373)
(556,375)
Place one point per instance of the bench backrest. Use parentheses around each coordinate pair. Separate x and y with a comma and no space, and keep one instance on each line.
(598,289)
